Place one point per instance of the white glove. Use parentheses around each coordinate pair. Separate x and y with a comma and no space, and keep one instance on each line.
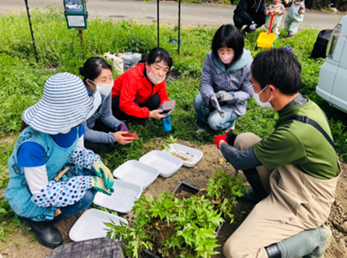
(253,26)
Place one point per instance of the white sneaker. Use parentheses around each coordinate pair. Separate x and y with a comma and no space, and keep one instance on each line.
(200,130)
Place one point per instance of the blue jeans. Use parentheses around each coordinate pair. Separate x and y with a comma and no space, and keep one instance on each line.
(82,204)
(209,118)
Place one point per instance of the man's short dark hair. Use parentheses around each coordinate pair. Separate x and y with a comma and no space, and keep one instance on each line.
(278,67)
(228,36)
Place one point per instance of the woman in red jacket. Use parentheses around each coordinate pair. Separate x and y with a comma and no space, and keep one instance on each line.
(140,91)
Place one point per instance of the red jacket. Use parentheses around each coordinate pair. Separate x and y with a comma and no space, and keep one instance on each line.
(132,85)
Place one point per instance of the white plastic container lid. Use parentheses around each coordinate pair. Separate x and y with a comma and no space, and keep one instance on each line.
(122,199)
(166,164)
(137,173)
(194,155)
(91,225)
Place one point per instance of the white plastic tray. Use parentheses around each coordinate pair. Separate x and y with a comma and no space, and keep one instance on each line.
(197,154)
(90,225)
(122,199)
(137,173)
(166,164)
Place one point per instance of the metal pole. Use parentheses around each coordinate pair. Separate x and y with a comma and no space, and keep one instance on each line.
(31,30)
(81,35)
(179,26)
(158,23)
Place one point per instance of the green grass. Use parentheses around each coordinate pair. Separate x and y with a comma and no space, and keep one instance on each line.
(197,1)
(22,80)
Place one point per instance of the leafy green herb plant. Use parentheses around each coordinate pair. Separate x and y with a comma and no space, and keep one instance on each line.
(170,227)
(224,191)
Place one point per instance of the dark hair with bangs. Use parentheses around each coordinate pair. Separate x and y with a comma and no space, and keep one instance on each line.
(228,36)
(161,54)
(92,68)
(278,67)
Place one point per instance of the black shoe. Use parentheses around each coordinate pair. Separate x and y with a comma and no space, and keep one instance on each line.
(46,233)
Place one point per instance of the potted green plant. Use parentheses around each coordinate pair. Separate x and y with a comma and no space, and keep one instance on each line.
(170,226)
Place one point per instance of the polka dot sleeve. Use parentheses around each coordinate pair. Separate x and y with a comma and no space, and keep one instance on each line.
(61,194)
(84,158)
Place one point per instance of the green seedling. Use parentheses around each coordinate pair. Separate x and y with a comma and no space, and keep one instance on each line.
(170,225)
(224,190)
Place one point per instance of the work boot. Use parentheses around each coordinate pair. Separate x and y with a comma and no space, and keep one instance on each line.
(307,244)
(324,236)
(46,233)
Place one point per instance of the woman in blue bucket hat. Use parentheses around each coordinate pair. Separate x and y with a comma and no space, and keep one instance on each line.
(51,141)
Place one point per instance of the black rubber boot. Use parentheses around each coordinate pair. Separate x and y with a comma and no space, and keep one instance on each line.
(257,193)
(46,233)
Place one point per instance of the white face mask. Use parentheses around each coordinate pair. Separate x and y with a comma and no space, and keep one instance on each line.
(65,131)
(104,89)
(156,80)
(262,104)
(96,98)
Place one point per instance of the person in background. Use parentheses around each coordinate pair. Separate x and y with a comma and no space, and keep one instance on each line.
(102,128)
(277,9)
(51,139)
(293,173)
(225,81)
(295,16)
(250,13)
(139,92)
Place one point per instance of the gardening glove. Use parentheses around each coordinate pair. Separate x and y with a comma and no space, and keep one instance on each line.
(99,185)
(214,101)
(218,138)
(102,171)
(253,26)
(123,127)
(230,137)
(224,96)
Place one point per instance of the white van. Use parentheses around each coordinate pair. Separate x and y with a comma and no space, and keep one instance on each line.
(332,83)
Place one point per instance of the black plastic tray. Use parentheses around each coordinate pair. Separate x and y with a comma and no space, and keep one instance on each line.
(148,254)
(186,187)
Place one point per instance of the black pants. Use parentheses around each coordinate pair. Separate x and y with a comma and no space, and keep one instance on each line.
(98,147)
(152,103)
(239,20)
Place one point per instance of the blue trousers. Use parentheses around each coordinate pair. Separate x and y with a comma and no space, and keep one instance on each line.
(208,117)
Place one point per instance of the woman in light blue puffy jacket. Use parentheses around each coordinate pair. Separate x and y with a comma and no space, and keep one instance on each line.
(225,85)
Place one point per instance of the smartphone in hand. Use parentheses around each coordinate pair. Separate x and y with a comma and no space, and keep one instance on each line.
(168,106)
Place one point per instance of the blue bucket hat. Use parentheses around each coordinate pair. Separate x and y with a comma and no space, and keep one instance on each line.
(65,104)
